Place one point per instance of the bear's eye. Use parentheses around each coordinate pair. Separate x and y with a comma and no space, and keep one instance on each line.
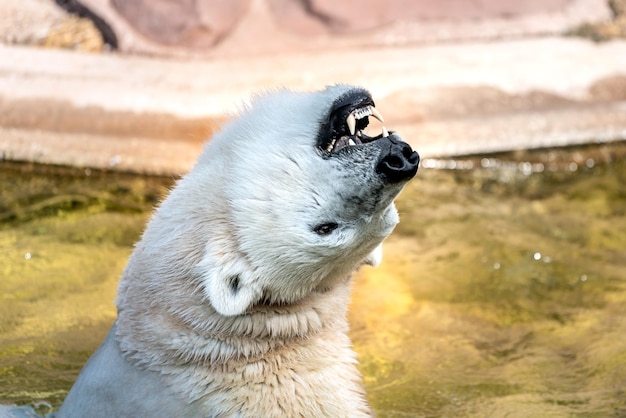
(325,229)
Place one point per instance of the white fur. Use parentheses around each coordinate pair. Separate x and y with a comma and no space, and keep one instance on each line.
(231,305)
(375,257)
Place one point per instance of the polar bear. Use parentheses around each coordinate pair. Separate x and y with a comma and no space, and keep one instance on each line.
(233,304)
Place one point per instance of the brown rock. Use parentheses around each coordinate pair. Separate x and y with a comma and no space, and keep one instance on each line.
(189,23)
(258,27)
(359,15)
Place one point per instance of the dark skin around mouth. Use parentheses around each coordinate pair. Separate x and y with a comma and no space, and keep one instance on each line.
(348,117)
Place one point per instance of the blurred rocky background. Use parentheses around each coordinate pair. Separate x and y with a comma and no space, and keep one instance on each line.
(141,84)
(236,27)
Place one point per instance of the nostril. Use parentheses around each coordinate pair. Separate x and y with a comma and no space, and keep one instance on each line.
(407,152)
(394,161)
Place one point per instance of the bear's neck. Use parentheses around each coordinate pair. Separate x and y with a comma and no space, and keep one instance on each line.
(187,329)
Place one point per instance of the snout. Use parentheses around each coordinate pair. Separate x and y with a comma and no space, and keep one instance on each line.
(397,161)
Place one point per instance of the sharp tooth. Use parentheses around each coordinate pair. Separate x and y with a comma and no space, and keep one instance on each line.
(376,114)
(351,121)
(351,142)
(330,146)
(359,134)
(385,132)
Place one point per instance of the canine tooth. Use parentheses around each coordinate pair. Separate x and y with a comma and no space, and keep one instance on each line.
(351,121)
(385,132)
(351,142)
(376,114)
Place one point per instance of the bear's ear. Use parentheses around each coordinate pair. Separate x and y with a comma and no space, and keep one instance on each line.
(229,296)
(230,293)
(375,257)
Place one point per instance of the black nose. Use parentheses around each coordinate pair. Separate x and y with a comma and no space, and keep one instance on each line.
(397,161)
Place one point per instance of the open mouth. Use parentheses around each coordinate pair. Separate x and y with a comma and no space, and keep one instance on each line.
(349,116)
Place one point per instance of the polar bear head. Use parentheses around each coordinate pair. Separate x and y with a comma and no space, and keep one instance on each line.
(292,196)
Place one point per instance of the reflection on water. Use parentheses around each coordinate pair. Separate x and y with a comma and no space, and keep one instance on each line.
(65,235)
(502,293)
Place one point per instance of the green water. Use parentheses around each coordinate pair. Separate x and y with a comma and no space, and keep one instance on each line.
(502,292)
